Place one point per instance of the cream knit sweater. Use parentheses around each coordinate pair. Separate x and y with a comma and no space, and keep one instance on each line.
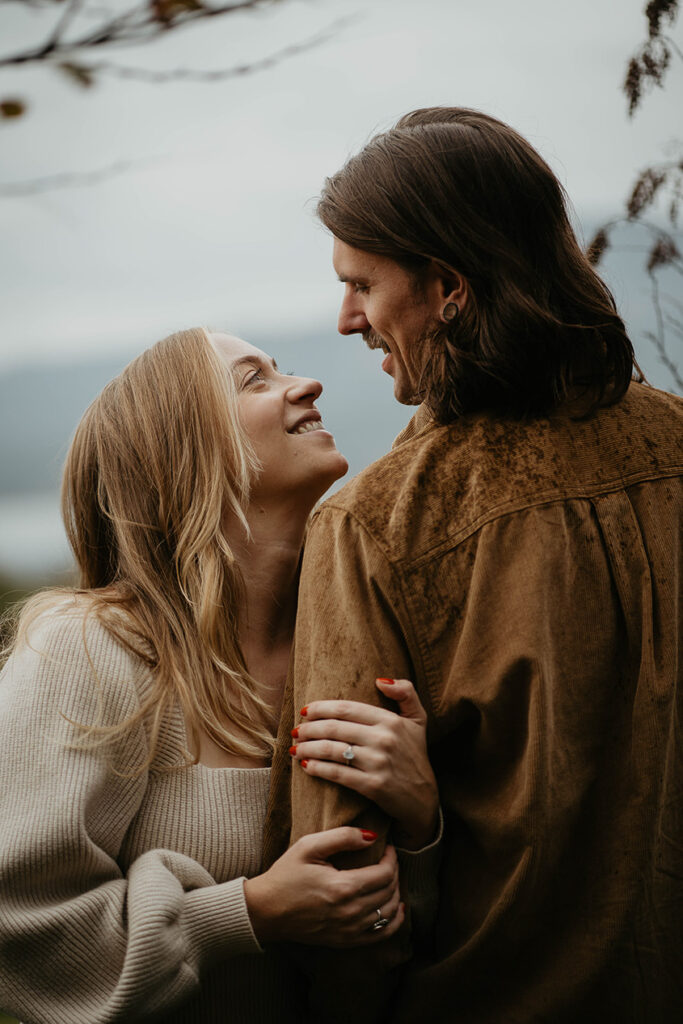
(120,897)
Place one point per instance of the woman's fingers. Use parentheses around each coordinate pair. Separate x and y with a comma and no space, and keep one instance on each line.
(405,695)
(345,710)
(370,756)
(320,846)
(362,782)
(400,690)
(369,936)
(344,732)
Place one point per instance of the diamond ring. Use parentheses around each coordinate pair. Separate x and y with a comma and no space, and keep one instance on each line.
(348,755)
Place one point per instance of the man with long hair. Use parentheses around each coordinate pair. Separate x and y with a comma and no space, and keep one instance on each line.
(518,555)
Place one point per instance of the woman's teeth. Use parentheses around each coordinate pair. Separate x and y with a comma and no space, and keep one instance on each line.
(304,428)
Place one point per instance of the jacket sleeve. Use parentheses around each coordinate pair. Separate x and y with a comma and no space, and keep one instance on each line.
(80,941)
(351,628)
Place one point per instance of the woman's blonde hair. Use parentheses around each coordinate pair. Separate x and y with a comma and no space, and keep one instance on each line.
(158,466)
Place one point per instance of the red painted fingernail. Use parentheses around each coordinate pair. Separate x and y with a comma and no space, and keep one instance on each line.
(304,711)
(295,733)
(292,751)
(367,835)
(304,764)
(381,679)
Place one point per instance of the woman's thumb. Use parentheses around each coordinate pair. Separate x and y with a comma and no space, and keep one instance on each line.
(323,845)
(405,695)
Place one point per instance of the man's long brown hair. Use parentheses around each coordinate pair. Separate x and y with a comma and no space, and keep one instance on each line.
(463,190)
(159,465)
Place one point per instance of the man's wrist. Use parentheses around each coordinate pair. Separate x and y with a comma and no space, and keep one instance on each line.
(418,835)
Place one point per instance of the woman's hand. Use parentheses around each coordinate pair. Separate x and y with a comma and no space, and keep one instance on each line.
(303,898)
(389,763)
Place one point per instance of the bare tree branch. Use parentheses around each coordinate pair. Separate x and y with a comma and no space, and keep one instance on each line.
(142,23)
(72,9)
(220,74)
(659,339)
(69,179)
(674,46)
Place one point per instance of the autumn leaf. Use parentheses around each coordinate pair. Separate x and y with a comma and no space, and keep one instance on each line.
(79,73)
(12,108)
(167,10)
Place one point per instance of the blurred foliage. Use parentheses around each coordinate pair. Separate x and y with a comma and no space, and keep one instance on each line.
(11,593)
(651,61)
(660,183)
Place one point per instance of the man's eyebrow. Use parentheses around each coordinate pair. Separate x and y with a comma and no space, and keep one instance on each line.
(354,280)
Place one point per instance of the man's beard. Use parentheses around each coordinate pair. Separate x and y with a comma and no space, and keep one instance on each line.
(422,346)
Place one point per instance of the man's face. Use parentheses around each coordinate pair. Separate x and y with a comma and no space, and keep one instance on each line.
(391,309)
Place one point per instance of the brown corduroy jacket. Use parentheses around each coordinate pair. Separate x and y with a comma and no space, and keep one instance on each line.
(527,576)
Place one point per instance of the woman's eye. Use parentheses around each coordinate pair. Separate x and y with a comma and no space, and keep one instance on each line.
(360,289)
(254,378)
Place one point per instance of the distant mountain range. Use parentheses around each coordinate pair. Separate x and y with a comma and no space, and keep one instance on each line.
(41,404)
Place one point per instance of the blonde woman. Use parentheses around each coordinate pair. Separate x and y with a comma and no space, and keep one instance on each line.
(137,715)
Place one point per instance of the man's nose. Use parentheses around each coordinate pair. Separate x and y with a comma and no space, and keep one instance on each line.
(352,319)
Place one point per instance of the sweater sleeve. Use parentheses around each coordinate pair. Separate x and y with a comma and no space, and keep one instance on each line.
(419,872)
(80,941)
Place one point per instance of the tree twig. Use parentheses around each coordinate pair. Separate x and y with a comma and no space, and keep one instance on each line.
(71,179)
(138,25)
(659,339)
(72,9)
(219,74)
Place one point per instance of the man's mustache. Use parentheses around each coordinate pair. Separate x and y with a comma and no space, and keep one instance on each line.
(374,340)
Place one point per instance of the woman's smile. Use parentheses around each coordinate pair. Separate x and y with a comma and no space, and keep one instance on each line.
(275,407)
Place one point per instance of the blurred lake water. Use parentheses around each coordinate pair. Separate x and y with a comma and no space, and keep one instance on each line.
(32,539)
(40,406)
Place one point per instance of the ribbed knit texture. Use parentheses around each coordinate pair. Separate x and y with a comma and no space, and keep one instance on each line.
(120,896)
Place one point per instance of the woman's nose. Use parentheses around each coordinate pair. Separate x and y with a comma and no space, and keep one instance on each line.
(304,387)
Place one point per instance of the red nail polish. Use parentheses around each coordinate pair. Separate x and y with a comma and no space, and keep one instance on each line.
(381,679)
(367,835)
(295,733)
(292,751)
(303,764)
(304,711)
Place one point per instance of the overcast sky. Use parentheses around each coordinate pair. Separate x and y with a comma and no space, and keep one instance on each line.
(214,222)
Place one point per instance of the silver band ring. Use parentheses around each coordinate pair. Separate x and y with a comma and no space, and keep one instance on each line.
(348,756)
(380,923)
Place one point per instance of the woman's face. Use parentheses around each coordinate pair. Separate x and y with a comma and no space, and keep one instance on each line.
(298,456)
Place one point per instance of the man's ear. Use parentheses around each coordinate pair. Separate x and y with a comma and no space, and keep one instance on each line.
(450,291)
